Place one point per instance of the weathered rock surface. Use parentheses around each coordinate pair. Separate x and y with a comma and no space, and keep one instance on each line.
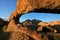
(16,35)
(25,6)
(17,30)
(52,26)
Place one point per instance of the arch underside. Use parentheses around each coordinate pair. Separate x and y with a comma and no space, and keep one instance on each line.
(43,10)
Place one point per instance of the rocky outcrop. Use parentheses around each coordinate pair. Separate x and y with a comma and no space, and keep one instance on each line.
(24,30)
(25,6)
(24,33)
(45,31)
(52,26)
(41,25)
(54,23)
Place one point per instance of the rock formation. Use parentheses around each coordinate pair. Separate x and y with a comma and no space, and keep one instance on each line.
(52,26)
(25,6)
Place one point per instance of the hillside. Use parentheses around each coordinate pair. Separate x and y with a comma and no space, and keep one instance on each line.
(3,24)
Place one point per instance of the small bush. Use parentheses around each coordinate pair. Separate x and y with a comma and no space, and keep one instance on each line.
(4,28)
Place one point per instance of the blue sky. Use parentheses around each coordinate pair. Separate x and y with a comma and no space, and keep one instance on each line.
(8,6)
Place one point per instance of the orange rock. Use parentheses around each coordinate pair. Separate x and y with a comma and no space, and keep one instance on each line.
(25,6)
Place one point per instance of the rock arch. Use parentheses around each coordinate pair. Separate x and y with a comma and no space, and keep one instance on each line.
(25,6)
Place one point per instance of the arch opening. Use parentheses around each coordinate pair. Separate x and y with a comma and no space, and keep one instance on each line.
(49,17)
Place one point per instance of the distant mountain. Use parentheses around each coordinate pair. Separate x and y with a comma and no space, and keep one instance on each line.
(31,22)
(3,22)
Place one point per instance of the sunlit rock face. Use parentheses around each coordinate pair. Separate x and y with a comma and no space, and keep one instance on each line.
(52,26)
(25,6)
